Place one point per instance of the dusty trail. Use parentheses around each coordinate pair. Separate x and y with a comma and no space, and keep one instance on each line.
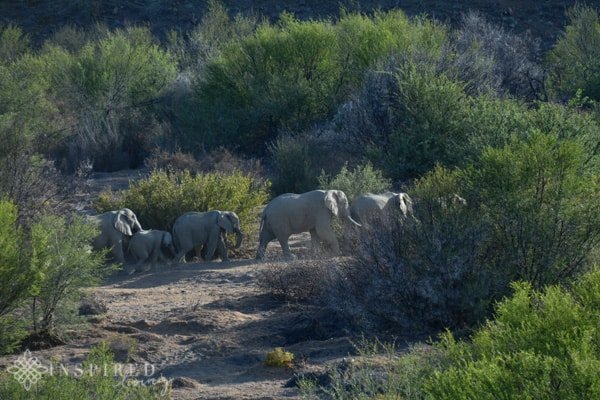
(208,326)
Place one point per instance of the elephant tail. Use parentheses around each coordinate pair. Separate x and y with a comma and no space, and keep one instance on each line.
(263,218)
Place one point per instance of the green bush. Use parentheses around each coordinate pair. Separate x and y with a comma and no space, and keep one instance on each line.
(16,278)
(61,255)
(162,197)
(280,76)
(290,75)
(279,358)
(98,385)
(361,179)
(542,203)
(575,59)
(532,213)
(106,87)
(297,160)
(542,344)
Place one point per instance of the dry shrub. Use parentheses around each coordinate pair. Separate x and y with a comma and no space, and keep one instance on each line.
(219,160)
(171,160)
(301,280)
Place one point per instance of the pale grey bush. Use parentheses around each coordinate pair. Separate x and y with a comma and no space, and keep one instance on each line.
(489,59)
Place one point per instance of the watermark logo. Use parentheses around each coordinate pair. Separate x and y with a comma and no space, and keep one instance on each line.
(27,370)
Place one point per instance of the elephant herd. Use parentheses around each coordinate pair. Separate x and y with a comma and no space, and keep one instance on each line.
(205,232)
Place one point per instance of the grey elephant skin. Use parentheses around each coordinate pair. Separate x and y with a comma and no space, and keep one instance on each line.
(114,227)
(149,246)
(312,212)
(369,206)
(193,230)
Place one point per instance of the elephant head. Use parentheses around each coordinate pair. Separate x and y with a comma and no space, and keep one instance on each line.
(166,244)
(230,223)
(126,222)
(337,202)
(403,202)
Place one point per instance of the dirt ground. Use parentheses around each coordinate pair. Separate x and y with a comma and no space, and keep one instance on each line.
(207,326)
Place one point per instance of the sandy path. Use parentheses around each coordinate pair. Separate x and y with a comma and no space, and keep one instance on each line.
(208,326)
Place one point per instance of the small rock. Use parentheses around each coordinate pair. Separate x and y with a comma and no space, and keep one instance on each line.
(184,382)
(90,306)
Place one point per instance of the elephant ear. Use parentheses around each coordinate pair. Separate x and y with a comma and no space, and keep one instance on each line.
(225,222)
(331,202)
(406,204)
(121,224)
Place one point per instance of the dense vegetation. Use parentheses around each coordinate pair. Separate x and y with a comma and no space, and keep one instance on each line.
(363,103)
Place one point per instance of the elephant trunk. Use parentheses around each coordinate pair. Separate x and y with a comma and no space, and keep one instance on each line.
(239,235)
(137,227)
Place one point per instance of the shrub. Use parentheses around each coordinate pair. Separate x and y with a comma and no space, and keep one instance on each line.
(165,195)
(541,200)
(106,87)
(541,344)
(575,59)
(279,358)
(419,272)
(531,214)
(13,43)
(293,74)
(60,254)
(296,281)
(16,278)
(361,179)
(96,385)
(490,60)
(297,160)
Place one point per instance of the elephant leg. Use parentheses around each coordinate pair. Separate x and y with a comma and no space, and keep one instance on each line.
(265,237)
(314,242)
(326,234)
(198,252)
(287,253)
(222,248)
(213,242)
(180,256)
(117,252)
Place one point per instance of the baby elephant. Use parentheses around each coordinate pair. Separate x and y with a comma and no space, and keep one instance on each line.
(148,247)
(194,230)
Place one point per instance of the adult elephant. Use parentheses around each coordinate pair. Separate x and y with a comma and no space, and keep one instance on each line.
(368,205)
(149,246)
(312,212)
(114,227)
(193,230)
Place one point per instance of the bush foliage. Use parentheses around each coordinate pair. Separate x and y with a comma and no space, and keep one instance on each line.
(575,59)
(541,344)
(361,179)
(165,195)
(61,256)
(531,214)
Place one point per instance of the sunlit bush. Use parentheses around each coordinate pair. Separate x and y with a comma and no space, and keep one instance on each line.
(165,195)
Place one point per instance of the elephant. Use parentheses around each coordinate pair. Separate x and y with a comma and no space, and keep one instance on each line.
(312,212)
(367,206)
(114,227)
(193,230)
(149,246)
